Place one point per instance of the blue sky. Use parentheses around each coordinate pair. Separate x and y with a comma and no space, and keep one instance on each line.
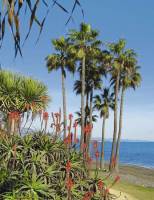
(129,19)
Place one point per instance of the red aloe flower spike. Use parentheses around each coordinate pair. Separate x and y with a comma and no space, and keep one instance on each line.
(100,185)
(66,141)
(70,116)
(89,160)
(56,114)
(85,155)
(95,144)
(87,129)
(69,184)
(68,166)
(107,191)
(11,115)
(77,140)
(58,128)
(117,178)
(69,138)
(75,124)
(84,146)
(45,116)
(16,115)
(97,154)
(87,196)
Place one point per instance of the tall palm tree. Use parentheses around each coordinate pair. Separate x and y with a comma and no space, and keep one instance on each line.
(117,51)
(130,78)
(102,103)
(62,60)
(83,40)
(93,82)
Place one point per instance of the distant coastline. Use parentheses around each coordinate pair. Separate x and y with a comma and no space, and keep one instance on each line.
(132,153)
(123,140)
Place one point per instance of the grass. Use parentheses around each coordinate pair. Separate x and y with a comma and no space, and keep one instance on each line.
(139,192)
(136,191)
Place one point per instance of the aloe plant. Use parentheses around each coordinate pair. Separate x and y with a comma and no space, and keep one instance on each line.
(39,167)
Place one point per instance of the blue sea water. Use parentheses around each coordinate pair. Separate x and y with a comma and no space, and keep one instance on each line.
(133,153)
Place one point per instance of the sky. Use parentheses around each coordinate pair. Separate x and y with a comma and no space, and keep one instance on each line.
(128,19)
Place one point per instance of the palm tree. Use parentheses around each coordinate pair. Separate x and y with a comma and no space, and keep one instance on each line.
(117,52)
(83,40)
(130,78)
(77,89)
(102,103)
(62,60)
(93,82)
(87,112)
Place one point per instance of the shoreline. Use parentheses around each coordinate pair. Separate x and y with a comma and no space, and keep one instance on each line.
(137,175)
(137,166)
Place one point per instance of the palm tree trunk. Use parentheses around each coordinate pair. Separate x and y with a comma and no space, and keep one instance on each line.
(91,107)
(115,123)
(102,146)
(120,129)
(64,102)
(87,106)
(82,101)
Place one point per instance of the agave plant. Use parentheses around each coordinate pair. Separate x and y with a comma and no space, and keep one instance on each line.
(20,99)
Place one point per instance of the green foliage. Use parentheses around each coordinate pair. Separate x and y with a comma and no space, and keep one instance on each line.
(103,102)
(11,14)
(17,92)
(34,167)
(63,58)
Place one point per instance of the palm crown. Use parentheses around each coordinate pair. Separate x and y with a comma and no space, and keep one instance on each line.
(63,58)
(103,102)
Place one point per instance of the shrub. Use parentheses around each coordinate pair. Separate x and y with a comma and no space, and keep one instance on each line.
(38,167)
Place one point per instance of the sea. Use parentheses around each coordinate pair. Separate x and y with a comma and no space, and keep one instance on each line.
(138,153)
